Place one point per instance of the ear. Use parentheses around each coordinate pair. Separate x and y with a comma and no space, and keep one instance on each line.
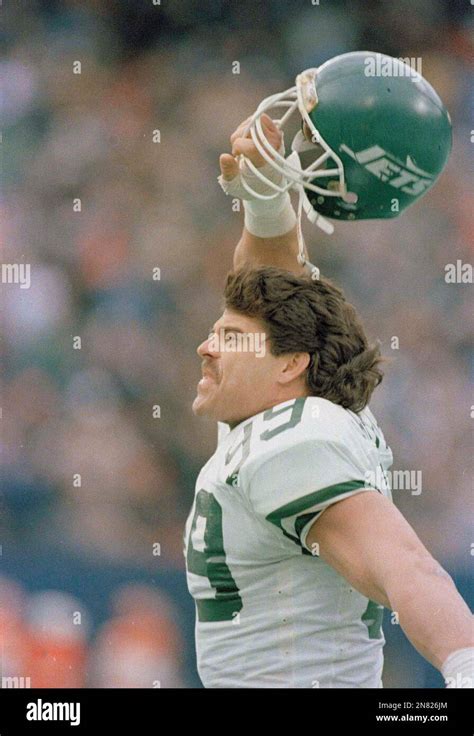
(293,366)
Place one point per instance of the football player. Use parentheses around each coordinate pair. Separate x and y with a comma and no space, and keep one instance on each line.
(293,545)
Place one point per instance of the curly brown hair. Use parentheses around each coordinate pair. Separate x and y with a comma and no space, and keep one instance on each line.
(302,315)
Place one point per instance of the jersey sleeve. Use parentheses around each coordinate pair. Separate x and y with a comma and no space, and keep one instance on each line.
(293,487)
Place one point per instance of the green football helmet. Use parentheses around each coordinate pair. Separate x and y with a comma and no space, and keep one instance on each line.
(379,134)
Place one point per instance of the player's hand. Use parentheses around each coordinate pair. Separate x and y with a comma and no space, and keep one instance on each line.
(244,145)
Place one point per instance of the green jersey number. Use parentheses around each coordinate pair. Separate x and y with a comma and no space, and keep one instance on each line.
(373,619)
(206,557)
(296,412)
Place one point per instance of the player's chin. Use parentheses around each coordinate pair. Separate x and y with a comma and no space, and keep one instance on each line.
(202,405)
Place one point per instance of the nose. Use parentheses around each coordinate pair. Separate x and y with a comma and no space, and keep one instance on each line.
(206,349)
(202,348)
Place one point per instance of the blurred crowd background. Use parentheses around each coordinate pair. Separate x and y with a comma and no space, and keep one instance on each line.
(99,446)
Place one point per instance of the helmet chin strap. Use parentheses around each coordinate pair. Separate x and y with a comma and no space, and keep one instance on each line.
(299,145)
(301,257)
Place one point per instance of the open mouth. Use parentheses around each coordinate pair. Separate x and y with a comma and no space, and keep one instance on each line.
(207,380)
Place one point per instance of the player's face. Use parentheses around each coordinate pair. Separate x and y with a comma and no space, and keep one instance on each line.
(240,375)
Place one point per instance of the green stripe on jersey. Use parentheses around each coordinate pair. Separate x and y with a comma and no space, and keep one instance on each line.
(312,499)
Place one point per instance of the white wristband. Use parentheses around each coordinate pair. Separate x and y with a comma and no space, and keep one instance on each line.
(269,218)
(458,669)
(265,218)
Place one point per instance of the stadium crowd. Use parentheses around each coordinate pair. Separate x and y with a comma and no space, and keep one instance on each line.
(110,193)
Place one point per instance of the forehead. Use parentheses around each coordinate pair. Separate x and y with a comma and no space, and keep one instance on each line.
(230,318)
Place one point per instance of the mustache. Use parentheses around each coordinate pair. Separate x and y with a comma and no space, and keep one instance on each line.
(206,368)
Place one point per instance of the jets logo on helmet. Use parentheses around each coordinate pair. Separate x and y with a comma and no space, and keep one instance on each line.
(369,135)
(405,176)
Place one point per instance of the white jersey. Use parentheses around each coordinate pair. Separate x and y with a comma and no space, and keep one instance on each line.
(269,611)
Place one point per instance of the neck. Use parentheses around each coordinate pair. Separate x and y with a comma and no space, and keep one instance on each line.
(269,405)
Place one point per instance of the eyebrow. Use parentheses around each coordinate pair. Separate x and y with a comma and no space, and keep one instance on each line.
(227,328)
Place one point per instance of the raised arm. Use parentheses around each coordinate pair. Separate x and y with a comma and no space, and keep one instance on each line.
(269,236)
(280,250)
